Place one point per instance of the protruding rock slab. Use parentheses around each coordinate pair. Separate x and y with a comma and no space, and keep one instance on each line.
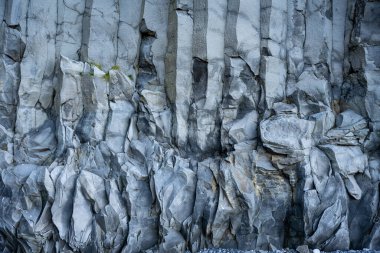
(287,134)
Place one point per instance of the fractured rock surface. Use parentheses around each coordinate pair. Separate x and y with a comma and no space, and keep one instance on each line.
(181,125)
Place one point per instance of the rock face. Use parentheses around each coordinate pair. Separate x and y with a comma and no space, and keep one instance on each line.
(174,125)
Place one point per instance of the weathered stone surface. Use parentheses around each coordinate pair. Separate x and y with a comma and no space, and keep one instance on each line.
(12,13)
(318,40)
(274,76)
(346,160)
(325,206)
(275,134)
(181,125)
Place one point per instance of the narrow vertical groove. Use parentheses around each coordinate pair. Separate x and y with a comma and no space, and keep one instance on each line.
(86,30)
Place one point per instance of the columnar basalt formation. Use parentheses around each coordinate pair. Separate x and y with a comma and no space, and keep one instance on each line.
(174,125)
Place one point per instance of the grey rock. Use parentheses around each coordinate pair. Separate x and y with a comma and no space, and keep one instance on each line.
(295,38)
(69,28)
(242,130)
(351,130)
(303,249)
(314,87)
(318,41)
(241,88)
(320,169)
(346,160)
(178,72)
(263,161)
(12,13)
(350,120)
(100,21)
(339,9)
(298,140)
(324,121)
(368,30)
(273,72)
(283,108)
(37,146)
(189,126)
(13,45)
(354,161)
(243,33)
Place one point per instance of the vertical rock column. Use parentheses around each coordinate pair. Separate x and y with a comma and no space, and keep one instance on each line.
(122,76)
(339,10)
(313,42)
(35,131)
(69,29)
(273,36)
(241,91)
(70,103)
(295,64)
(11,53)
(68,45)
(295,39)
(151,77)
(208,69)
(130,15)
(361,92)
(315,81)
(179,68)
(152,119)
(318,43)
(371,66)
(100,24)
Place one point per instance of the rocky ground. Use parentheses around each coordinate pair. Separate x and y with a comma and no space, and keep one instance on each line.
(281,251)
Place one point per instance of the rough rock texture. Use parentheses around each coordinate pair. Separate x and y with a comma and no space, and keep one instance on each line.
(179,125)
(300,249)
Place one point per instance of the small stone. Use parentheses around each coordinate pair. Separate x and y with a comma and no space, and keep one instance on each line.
(303,249)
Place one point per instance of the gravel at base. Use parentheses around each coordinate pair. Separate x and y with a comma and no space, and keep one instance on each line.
(279,251)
